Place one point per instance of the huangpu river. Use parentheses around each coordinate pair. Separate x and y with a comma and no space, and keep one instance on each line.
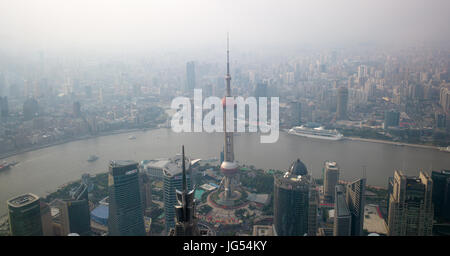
(44,170)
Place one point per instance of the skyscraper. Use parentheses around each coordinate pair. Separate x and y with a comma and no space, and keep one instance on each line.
(60,217)
(342,100)
(186,224)
(291,201)
(25,215)
(125,208)
(342,216)
(355,196)
(146,191)
(173,180)
(331,179)
(229,167)
(410,206)
(78,211)
(190,76)
(391,118)
(441,194)
(313,208)
(46,219)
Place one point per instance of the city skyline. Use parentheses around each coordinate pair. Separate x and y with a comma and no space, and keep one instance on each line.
(97,98)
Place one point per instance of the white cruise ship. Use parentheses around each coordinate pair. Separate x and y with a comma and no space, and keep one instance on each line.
(318,133)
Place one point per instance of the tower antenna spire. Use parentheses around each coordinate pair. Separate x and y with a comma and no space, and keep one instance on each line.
(228,54)
(184,169)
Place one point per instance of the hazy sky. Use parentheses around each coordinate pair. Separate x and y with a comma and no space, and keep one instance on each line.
(115,24)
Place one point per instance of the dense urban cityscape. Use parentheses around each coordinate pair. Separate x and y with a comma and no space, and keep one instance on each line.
(393,99)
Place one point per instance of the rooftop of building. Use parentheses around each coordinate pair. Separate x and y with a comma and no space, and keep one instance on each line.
(122,163)
(298,168)
(263,230)
(101,211)
(170,166)
(331,165)
(373,221)
(23,200)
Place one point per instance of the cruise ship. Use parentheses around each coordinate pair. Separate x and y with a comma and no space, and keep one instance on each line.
(318,133)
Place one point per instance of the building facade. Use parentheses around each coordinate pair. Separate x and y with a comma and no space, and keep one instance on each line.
(441,194)
(173,180)
(291,201)
(125,208)
(330,180)
(342,216)
(355,196)
(342,102)
(25,215)
(410,205)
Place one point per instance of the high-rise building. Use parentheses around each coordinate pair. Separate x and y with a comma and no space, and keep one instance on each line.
(60,217)
(313,209)
(391,118)
(410,206)
(441,194)
(444,99)
(186,221)
(46,219)
(342,216)
(146,191)
(190,75)
(342,101)
(291,201)
(78,211)
(125,208)
(355,196)
(330,180)
(173,180)
(25,215)
(440,120)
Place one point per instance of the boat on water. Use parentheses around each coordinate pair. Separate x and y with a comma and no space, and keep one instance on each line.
(92,158)
(316,132)
(447,149)
(5,165)
(132,137)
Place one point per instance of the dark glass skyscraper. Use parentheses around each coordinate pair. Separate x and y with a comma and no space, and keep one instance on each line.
(125,207)
(78,211)
(441,194)
(291,201)
(25,215)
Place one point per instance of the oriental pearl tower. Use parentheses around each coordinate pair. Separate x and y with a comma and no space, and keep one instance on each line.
(229,168)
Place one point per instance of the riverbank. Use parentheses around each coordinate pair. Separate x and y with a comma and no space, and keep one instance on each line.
(401,144)
(10,154)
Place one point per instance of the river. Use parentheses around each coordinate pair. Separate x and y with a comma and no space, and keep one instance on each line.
(44,170)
